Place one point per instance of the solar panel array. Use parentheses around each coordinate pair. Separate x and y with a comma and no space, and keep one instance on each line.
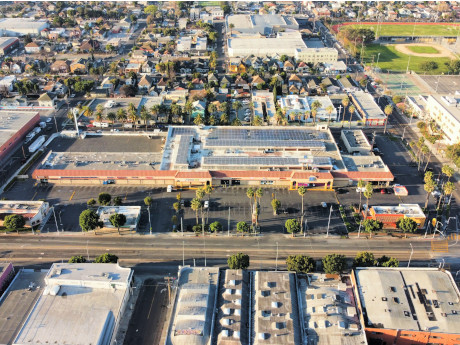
(322,160)
(265,161)
(226,137)
(183,149)
(183,130)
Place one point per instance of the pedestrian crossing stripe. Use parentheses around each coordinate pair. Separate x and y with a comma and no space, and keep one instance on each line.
(440,246)
(453,237)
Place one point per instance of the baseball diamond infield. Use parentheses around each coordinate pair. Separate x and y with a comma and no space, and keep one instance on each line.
(442,51)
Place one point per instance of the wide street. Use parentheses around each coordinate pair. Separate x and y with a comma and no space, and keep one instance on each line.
(142,250)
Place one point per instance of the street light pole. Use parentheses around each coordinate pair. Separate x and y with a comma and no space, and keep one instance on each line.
(362,48)
(183,253)
(276,269)
(411,252)
(359,229)
(228,225)
(329,222)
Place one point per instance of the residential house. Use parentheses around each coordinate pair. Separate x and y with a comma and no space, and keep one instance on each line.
(133,67)
(148,67)
(60,66)
(14,102)
(257,80)
(302,67)
(226,81)
(294,80)
(199,108)
(138,56)
(48,100)
(79,66)
(7,83)
(145,83)
(89,45)
(335,67)
(17,67)
(32,48)
(288,66)
(213,79)
(241,83)
(236,66)
(197,84)
(108,84)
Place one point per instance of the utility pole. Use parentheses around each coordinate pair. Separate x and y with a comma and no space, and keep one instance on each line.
(183,253)
(228,225)
(182,226)
(276,269)
(168,282)
(411,252)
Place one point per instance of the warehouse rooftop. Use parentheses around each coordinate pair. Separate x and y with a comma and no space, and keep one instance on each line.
(78,305)
(11,122)
(419,299)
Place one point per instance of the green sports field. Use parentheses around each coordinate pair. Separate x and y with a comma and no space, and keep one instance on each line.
(423,49)
(408,30)
(391,59)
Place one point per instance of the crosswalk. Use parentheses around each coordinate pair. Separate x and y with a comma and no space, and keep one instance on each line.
(440,246)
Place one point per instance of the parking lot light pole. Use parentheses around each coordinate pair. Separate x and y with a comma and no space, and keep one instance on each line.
(411,252)
(329,222)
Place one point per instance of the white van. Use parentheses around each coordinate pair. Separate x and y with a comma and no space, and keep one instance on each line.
(169,189)
(104,124)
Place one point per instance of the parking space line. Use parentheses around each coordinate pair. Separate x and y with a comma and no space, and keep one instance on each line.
(34,196)
(71,197)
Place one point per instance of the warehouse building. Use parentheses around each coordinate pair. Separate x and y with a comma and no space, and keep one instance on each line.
(7,44)
(445,110)
(408,305)
(355,141)
(80,304)
(22,26)
(14,126)
(368,110)
(330,311)
(193,315)
(255,24)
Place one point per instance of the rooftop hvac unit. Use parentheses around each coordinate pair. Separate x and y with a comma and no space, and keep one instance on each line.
(236,334)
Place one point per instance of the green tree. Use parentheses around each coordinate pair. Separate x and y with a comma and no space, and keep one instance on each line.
(77,260)
(14,222)
(237,106)
(111,116)
(334,263)
(371,226)
(148,201)
(117,220)
(276,205)
(388,110)
(215,227)
(196,205)
(242,227)
(151,9)
(89,220)
(407,225)
(238,261)
(117,201)
(429,186)
(91,202)
(300,263)
(200,193)
(449,188)
(364,259)
(104,199)
(257,121)
(428,66)
(448,171)
(176,206)
(345,102)
(386,261)
(292,226)
(198,120)
(106,258)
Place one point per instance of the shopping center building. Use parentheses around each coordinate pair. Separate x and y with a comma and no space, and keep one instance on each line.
(191,156)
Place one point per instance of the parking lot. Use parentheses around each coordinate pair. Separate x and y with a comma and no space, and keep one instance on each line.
(242,113)
(442,84)
(71,201)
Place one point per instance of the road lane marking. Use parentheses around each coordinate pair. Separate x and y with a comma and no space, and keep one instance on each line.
(71,197)
(151,304)
(34,196)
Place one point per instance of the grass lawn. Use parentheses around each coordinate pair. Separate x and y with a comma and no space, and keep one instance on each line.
(423,49)
(391,59)
(407,30)
(209,3)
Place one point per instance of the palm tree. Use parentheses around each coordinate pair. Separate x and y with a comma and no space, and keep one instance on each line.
(237,106)
(189,109)
(223,107)
(351,110)
(70,115)
(301,190)
(449,188)
(111,116)
(368,192)
(388,111)
(231,26)
(345,102)
(145,115)
(196,205)
(198,120)
(224,119)
(132,114)
(99,116)
(212,108)
(257,121)
(448,171)
(314,109)
(280,118)
(250,194)
(329,111)
(121,116)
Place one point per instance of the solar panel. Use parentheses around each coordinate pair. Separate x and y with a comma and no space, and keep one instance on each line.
(313,144)
(267,161)
(183,149)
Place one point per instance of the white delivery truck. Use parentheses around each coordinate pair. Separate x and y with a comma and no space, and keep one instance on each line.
(37,144)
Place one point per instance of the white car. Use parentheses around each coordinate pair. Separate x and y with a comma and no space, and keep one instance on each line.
(48,120)
(323,204)
(206,204)
(72,95)
(247,118)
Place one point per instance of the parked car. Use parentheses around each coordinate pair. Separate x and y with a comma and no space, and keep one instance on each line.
(324,204)
(382,191)
(206,204)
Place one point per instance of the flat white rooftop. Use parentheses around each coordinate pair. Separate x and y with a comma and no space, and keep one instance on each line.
(132,214)
(80,305)
(418,299)
(21,23)
(11,122)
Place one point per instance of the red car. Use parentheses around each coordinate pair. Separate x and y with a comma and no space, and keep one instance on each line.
(382,191)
